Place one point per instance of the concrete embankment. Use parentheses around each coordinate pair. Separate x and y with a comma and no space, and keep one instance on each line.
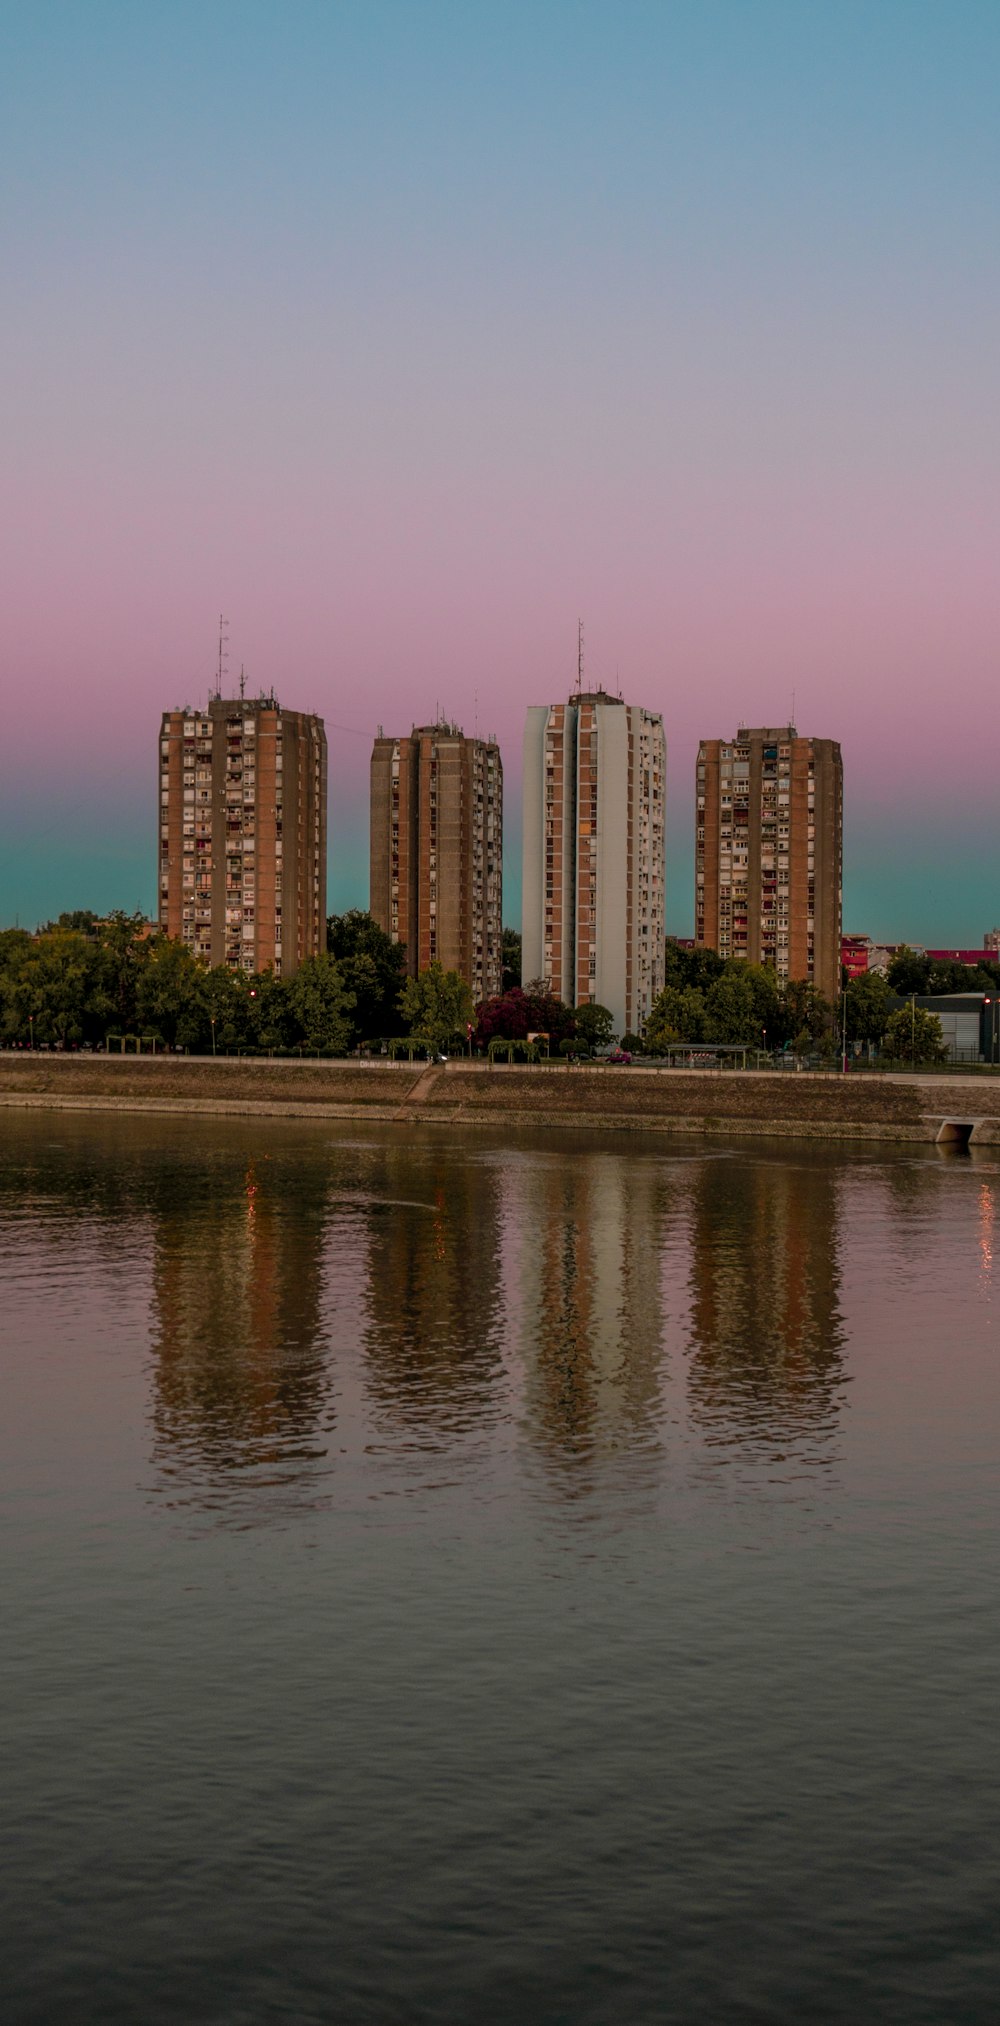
(804,1105)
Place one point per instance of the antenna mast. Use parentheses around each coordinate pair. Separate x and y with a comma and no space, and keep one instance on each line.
(579,654)
(223,652)
(243,682)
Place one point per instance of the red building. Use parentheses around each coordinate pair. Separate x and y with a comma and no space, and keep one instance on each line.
(972,957)
(854,954)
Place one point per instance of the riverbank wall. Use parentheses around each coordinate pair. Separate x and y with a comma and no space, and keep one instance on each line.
(803,1105)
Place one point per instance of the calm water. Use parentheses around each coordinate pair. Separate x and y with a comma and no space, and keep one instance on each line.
(457,1581)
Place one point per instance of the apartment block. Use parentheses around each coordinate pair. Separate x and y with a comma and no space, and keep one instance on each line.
(769,851)
(437,851)
(242,833)
(594,854)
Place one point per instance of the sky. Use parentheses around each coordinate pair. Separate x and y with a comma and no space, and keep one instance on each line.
(406,335)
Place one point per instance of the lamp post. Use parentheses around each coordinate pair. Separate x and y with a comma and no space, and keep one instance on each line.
(212,1018)
(913,1030)
(843,1031)
(31,1030)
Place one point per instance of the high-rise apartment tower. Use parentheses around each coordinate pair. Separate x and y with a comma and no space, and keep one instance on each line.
(768,851)
(243,833)
(436,851)
(594,863)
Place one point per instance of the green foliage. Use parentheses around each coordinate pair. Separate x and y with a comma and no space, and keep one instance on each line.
(373,969)
(171,996)
(869,1004)
(696,968)
(510,958)
(908,972)
(321,1005)
(914,1035)
(594,1025)
(740,1005)
(76,987)
(437,1006)
(46,992)
(678,1015)
(730,1007)
(82,921)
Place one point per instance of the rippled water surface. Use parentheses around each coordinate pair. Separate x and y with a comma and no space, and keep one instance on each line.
(453,1580)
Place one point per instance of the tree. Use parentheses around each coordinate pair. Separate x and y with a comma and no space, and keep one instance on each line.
(517,1013)
(436,1006)
(698,968)
(373,967)
(677,1015)
(321,1005)
(81,919)
(909,973)
(807,1015)
(47,992)
(171,998)
(914,1035)
(730,1010)
(122,952)
(869,1005)
(510,958)
(594,1024)
(545,1013)
(272,1021)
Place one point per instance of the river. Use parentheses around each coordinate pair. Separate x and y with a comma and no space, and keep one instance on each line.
(461,1579)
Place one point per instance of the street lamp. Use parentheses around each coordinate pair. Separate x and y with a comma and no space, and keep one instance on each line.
(31,1029)
(212,1018)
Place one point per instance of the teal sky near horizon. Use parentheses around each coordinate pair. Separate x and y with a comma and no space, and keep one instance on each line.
(406,336)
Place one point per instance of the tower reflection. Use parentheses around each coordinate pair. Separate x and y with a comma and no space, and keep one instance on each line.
(434,1304)
(239,1378)
(591,1303)
(767,1334)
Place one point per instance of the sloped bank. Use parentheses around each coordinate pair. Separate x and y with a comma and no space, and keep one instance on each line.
(634,1100)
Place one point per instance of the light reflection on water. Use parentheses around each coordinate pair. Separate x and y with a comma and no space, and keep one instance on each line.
(465,1579)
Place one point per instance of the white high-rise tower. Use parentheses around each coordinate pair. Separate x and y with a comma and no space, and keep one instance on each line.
(594,855)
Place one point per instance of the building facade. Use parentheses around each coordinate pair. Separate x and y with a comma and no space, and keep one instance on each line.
(769,851)
(437,851)
(242,842)
(594,854)
(855,954)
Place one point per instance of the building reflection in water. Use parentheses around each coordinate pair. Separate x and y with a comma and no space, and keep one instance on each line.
(240,1386)
(433,1329)
(591,1234)
(767,1363)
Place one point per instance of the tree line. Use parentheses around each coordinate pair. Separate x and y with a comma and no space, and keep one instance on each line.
(85,981)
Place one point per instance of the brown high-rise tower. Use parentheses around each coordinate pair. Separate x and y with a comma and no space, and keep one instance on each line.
(436,850)
(768,850)
(243,833)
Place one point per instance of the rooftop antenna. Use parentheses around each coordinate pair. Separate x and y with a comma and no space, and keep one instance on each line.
(223,652)
(243,682)
(475,728)
(792,719)
(579,654)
